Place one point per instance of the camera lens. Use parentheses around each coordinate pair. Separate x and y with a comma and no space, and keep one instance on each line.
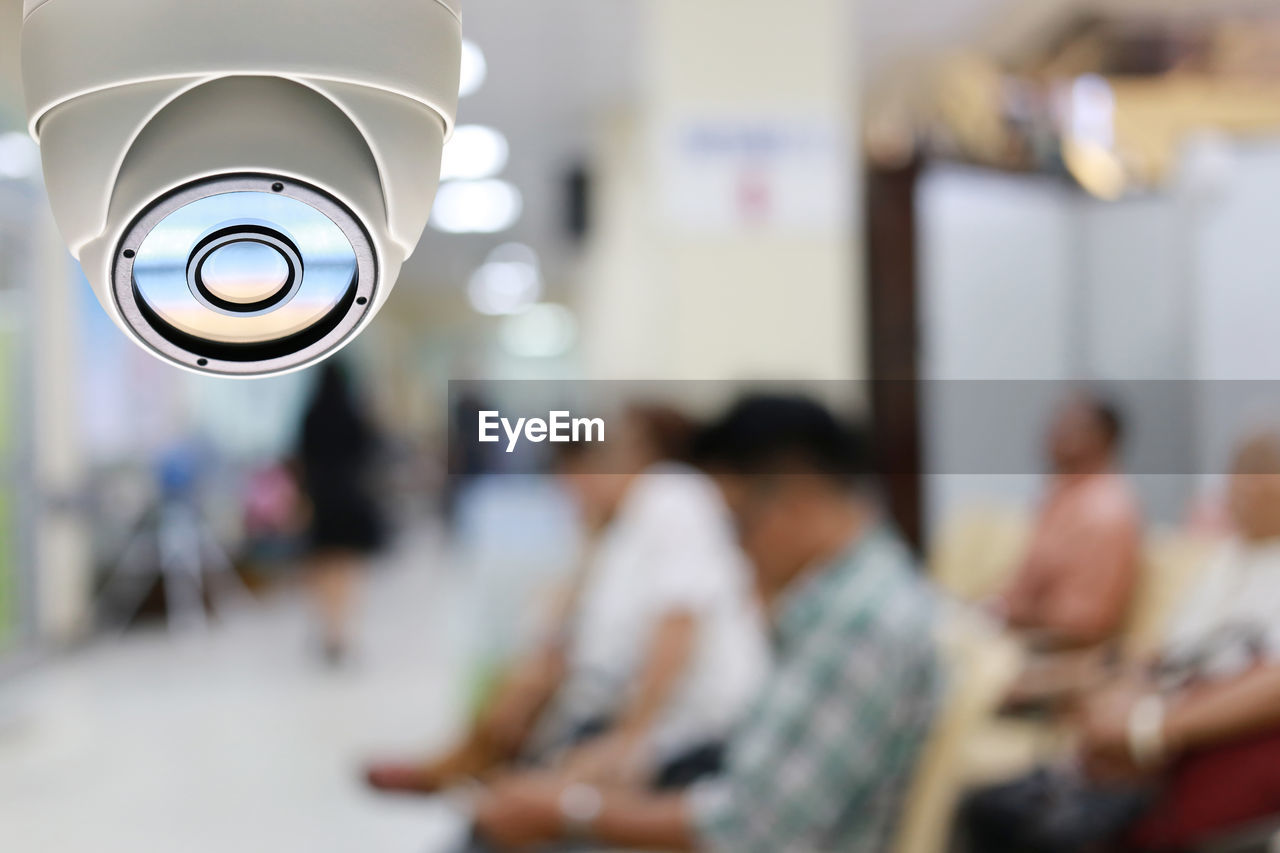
(213,268)
(262,279)
(244,269)
(244,272)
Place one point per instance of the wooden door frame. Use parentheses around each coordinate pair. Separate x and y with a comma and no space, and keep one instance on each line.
(893,341)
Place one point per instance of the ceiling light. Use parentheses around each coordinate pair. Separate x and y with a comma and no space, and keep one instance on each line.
(476,207)
(474,69)
(504,287)
(544,331)
(1093,111)
(516,253)
(19,156)
(1097,169)
(474,152)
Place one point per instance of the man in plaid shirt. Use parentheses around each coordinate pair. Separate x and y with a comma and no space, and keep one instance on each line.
(824,760)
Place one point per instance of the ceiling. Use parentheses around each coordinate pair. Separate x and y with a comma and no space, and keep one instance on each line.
(553,66)
(556,65)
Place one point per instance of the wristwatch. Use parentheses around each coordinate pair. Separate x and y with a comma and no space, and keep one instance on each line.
(1146,732)
(580,808)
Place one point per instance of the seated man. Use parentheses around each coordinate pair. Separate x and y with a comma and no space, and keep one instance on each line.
(824,760)
(1077,579)
(658,648)
(1185,746)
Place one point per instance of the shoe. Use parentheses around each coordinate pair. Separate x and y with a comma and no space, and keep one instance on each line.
(402,778)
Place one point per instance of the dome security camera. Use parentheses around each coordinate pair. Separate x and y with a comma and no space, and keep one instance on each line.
(241,180)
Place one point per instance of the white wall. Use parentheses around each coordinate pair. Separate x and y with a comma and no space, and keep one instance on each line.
(1237,264)
(1236,310)
(1026,278)
(996,262)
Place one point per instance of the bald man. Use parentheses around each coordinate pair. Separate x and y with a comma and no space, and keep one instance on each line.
(1076,581)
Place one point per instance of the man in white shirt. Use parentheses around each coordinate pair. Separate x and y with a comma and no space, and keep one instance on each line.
(659,648)
(669,554)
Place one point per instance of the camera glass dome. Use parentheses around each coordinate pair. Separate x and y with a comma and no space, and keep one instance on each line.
(245,276)
(243,272)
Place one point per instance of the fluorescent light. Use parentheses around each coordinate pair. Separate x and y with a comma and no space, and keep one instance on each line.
(19,156)
(476,207)
(1097,169)
(1088,149)
(504,287)
(509,282)
(474,69)
(1093,111)
(546,330)
(474,152)
(515,253)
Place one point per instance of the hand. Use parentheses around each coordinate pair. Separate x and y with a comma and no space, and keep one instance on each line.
(1104,731)
(519,702)
(613,760)
(1057,679)
(521,811)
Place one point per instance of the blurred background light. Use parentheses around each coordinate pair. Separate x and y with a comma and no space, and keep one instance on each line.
(474,69)
(476,207)
(1093,109)
(504,287)
(19,156)
(515,253)
(546,330)
(1096,168)
(474,152)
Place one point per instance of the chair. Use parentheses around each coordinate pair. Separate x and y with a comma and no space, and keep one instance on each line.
(1170,565)
(980,666)
(976,551)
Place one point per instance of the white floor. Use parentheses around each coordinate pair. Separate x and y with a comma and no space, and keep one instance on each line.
(238,739)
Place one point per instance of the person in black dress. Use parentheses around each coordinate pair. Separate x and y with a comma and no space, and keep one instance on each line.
(336,451)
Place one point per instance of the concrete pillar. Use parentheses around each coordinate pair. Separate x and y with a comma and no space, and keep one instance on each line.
(725,242)
(60,544)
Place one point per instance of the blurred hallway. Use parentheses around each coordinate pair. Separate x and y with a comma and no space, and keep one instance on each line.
(945,222)
(239,739)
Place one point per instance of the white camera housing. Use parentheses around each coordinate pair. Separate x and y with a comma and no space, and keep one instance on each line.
(241,180)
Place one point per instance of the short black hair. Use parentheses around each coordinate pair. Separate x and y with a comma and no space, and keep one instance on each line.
(1108,416)
(775,434)
(669,432)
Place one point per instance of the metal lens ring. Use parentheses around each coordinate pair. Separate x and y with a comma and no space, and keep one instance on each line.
(245,275)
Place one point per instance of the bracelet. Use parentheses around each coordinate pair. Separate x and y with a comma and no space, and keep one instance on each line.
(580,807)
(1146,732)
